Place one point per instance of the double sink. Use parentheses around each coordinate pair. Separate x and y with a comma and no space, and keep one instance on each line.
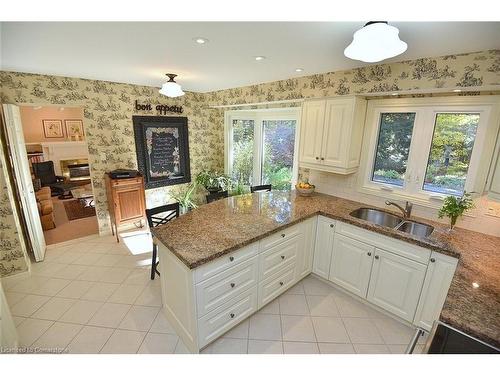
(395,222)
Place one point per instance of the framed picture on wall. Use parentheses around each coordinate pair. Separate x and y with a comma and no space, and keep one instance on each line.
(74,129)
(162,148)
(53,128)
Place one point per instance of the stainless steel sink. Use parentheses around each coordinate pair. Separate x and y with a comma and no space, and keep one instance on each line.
(388,220)
(379,217)
(416,229)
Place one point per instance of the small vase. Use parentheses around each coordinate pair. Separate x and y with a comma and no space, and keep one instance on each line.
(453,221)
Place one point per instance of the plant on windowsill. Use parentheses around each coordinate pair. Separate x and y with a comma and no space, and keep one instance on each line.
(185,197)
(213,181)
(454,207)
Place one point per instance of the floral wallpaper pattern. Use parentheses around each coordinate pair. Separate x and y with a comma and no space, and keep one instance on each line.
(108,108)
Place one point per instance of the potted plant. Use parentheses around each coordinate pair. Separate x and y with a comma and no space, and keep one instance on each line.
(213,181)
(238,189)
(184,197)
(454,207)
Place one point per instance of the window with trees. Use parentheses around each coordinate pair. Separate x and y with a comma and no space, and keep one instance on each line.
(261,147)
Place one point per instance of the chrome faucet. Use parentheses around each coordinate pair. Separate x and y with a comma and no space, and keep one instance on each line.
(406,211)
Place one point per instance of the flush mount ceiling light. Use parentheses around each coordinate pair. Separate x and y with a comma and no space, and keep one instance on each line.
(200,40)
(376,41)
(260,58)
(171,88)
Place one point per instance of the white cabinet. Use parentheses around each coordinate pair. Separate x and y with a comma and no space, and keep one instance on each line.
(323,248)
(494,190)
(351,264)
(306,252)
(331,134)
(437,282)
(396,283)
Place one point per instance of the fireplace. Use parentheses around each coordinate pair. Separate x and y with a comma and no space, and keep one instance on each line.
(75,169)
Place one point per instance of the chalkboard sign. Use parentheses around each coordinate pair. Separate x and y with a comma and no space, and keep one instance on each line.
(162,148)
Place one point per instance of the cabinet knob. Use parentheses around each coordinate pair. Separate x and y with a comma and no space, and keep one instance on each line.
(369,254)
(317,158)
(283,235)
(231,259)
(322,158)
(231,315)
(433,260)
(376,257)
(331,225)
(282,257)
(281,283)
(232,285)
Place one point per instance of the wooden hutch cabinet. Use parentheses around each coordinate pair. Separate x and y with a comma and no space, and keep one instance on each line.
(126,202)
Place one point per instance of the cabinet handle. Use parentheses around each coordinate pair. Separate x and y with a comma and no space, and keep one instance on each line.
(376,256)
(231,259)
(369,254)
(331,225)
(433,260)
(281,283)
(232,285)
(231,315)
(283,235)
(282,257)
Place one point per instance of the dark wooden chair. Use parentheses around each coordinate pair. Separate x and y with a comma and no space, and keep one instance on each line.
(157,216)
(44,171)
(216,196)
(253,189)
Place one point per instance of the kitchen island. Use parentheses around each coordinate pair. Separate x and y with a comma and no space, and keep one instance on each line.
(236,224)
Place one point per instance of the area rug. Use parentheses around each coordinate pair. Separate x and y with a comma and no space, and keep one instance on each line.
(75,210)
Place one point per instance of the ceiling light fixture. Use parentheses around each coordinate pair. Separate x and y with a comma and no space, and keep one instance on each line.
(298,70)
(200,40)
(260,58)
(375,42)
(171,88)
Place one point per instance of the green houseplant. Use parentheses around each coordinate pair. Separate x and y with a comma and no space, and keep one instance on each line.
(454,207)
(185,197)
(213,181)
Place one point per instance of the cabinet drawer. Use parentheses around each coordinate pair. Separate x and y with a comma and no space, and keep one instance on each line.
(280,237)
(226,285)
(127,181)
(221,320)
(220,264)
(405,249)
(273,287)
(278,257)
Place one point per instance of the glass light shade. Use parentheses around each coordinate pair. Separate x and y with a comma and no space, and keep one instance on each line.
(375,42)
(171,89)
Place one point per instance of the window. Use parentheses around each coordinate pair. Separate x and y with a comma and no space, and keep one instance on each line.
(261,147)
(424,149)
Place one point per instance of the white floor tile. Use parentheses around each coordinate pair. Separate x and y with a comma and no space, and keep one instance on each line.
(70,271)
(100,291)
(272,307)
(229,346)
(362,331)
(314,286)
(240,331)
(93,273)
(300,347)
(139,318)
(80,312)
(150,296)
(75,289)
(296,289)
(322,306)
(28,305)
(109,315)
(126,294)
(30,330)
(181,348)
(124,342)
(293,304)
(57,337)
(158,343)
(51,287)
(13,298)
(394,332)
(371,349)
(88,259)
(139,277)
(265,347)
(68,258)
(109,260)
(161,324)
(297,328)
(397,349)
(330,329)
(46,269)
(330,348)
(54,308)
(18,320)
(351,308)
(27,285)
(115,275)
(265,327)
(90,340)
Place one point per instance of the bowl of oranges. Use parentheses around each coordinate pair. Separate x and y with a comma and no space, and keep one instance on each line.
(305,189)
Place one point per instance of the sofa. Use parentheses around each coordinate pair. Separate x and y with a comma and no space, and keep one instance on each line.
(45,208)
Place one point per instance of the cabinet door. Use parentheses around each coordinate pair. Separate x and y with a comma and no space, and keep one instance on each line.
(337,128)
(323,247)
(129,203)
(311,131)
(437,282)
(396,283)
(351,264)
(306,252)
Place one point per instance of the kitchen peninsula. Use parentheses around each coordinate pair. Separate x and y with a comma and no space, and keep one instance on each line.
(224,261)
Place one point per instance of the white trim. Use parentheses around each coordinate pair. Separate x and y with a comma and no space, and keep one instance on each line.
(259,103)
(426,109)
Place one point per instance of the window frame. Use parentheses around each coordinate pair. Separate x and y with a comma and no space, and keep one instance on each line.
(426,110)
(259,116)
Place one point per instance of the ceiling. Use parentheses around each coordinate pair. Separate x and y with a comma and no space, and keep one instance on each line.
(142,52)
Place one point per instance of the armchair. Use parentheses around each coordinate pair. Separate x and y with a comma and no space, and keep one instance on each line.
(44,171)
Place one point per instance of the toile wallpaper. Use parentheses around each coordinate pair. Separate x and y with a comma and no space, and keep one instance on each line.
(108,109)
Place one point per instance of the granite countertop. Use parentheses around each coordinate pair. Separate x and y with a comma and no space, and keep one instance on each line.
(221,227)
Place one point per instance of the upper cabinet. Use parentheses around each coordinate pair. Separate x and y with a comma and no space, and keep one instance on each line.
(331,134)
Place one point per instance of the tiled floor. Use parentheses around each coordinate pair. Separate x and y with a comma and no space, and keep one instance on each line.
(93,295)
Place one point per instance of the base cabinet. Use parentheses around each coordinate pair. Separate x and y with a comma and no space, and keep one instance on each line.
(395,284)
(323,248)
(351,264)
